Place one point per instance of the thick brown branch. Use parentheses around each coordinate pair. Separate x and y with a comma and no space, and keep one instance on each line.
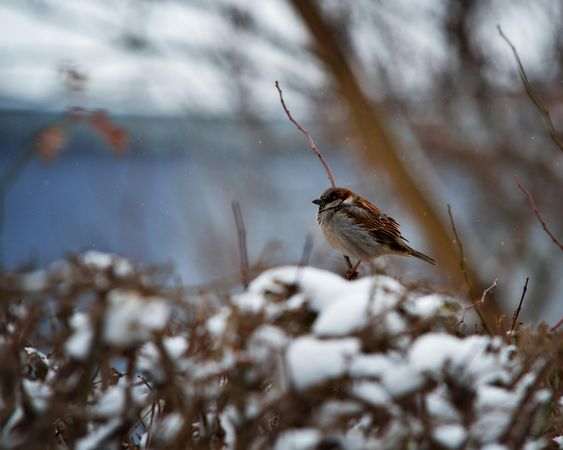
(309,137)
(537,212)
(526,82)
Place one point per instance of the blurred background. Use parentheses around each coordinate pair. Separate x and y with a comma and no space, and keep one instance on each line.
(130,126)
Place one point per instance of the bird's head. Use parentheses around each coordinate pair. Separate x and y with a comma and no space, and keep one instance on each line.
(334,197)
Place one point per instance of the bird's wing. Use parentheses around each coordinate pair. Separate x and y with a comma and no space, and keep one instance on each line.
(383,228)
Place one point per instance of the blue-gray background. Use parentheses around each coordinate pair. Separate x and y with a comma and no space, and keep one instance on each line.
(191,83)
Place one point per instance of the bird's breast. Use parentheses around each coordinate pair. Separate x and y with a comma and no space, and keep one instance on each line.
(345,235)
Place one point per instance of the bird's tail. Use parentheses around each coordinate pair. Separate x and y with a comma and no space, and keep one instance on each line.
(419,255)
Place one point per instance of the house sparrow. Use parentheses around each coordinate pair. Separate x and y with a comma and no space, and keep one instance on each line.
(359,229)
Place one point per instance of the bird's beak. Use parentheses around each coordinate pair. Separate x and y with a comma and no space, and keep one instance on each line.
(317,201)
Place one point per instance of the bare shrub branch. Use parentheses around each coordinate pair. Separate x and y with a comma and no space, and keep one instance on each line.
(466,276)
(307,250)
(305,255)
(461,254)
(531,94)
(475,306)
(537,212)
(309,137)
(517,312)
(241,233)
(557,325)
(137,362)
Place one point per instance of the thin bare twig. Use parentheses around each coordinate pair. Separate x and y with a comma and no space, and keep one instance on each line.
(461,254)
(315,150)
(241,232)
(517,312)
(307,249)
(475,306)
(466,275)
(531,94)
(481,301)
(537,212)
(557,325)
(309,137)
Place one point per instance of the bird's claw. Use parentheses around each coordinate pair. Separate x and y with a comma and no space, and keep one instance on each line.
(352,274)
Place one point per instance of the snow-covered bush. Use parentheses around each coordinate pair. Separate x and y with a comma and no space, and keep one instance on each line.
(99,354)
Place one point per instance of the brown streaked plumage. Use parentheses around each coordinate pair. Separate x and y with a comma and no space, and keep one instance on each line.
(359,229)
